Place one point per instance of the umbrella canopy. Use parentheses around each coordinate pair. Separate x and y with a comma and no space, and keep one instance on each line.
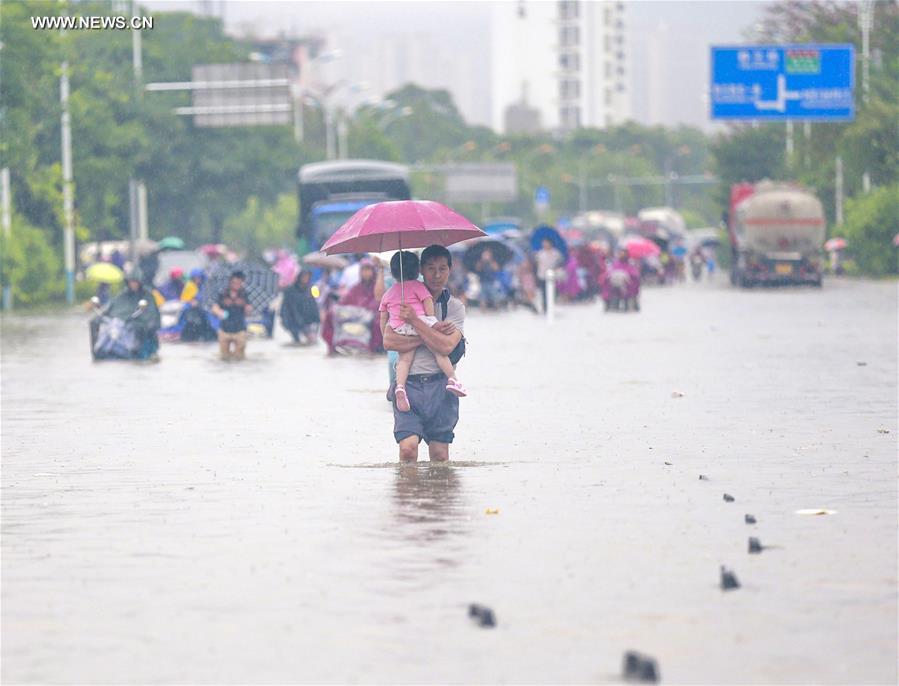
(835,244)
(502,253)
(104,272)
(499,225)
(543,232)
(171,243)
(319,259)
(261,283)
(399,224)
(212,249)
(896,240)
(638,247)
(287,268)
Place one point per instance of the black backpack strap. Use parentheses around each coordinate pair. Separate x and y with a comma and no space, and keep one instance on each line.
(443,301)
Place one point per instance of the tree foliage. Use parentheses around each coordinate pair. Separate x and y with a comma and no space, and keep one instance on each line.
(260,225)
(872,222)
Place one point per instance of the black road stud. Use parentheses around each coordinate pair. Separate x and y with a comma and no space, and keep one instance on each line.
(640,668)
(755,545)
(728,498)
(482,616)
(728,579)
(749,519)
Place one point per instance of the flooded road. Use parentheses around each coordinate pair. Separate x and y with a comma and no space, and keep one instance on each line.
(201,522)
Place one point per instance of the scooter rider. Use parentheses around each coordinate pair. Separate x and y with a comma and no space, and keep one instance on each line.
(146,323)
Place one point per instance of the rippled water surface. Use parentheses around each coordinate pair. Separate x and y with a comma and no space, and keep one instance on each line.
(195,521)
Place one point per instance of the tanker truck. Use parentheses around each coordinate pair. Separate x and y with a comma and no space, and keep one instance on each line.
(776,233)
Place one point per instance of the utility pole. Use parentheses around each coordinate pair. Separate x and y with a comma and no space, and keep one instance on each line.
(865,23)
(329,131)
(342,133)
(137,61)
(6,219)
(142,225)
(68,202)
(790,144)
(838,199)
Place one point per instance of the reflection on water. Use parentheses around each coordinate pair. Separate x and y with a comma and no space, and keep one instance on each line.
(427,501)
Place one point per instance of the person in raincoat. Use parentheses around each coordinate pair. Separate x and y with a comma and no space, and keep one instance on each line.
(146,324)
(621,274)
(171,289)
(299,311)
(367,294)
(196,323)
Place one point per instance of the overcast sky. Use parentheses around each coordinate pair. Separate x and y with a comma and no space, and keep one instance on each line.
(681,33)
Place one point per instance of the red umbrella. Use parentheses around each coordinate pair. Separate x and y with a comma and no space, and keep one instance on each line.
(639,248)
(835,244)
(399,224)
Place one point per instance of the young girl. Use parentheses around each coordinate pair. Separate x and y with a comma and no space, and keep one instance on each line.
(412,292)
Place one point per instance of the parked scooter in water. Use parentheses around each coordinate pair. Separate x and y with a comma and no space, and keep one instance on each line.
(113,338)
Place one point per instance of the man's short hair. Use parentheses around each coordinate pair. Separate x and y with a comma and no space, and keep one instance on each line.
(237,274)
(433,252)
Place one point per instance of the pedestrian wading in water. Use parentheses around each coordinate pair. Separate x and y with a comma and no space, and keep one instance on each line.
(433,404)
(408,290)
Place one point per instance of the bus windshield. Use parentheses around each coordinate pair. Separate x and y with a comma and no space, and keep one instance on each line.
(325,223)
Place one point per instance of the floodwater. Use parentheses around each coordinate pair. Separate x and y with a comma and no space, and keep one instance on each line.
(195,521)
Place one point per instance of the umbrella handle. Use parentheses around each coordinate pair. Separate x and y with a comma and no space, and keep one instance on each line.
(402,286)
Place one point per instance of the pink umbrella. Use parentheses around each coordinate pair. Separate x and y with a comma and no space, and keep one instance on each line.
(213,249)
(896,240)
(399,224)
(287,268)
(639,248)
(835,244)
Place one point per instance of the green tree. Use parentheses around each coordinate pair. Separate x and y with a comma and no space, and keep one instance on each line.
(872,222)
(30,264)
(260,226)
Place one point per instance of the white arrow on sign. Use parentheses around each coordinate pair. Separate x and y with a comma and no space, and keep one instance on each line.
(779,105)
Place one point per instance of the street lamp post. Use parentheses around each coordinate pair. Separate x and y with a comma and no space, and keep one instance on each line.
(68,203)
(865,22)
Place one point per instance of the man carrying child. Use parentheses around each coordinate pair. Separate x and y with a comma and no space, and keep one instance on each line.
(430,409)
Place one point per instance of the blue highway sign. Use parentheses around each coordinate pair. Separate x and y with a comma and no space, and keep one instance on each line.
(780,82)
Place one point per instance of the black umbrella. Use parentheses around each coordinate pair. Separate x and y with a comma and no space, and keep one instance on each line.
(260,283)
(502,253)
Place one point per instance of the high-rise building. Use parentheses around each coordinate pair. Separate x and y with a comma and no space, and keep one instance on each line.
(570,56)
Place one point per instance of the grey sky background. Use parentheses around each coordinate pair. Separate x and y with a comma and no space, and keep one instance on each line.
(668,41)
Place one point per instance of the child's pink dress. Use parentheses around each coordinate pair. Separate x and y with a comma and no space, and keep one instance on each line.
(415,293)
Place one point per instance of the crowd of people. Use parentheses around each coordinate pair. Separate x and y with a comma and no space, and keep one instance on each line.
(341,300)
